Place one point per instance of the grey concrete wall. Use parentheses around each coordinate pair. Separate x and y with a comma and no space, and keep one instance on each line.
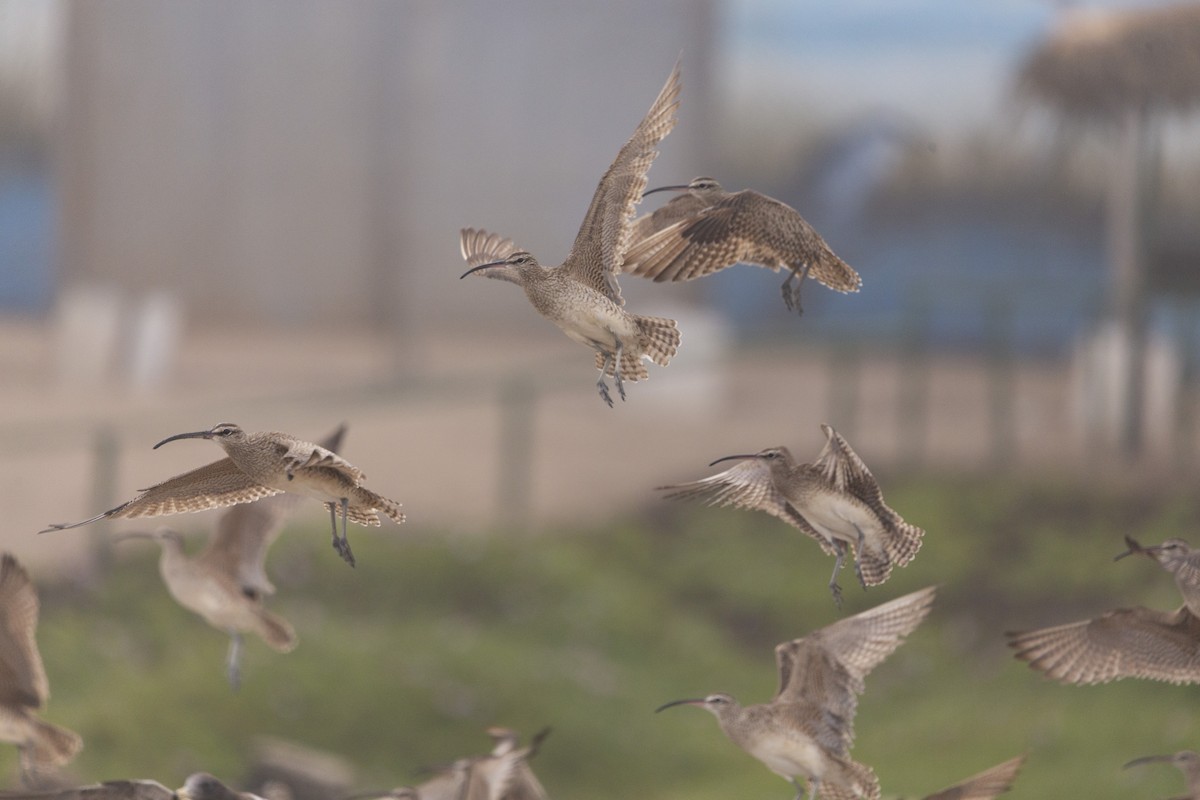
(311,162)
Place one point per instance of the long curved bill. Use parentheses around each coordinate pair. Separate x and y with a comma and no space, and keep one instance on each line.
(1147,760)
(731,458)
(1134,548)
(482,266)
(676,188)
(191,435)
(691,701)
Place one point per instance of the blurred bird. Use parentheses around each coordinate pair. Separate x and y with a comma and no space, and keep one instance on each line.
(1188,762)
(1127,642)
(835,500)
(23,685)
(985,785)
(505,774)
(203,786)
(260,465)
(706,229)
(109,790)
(808,728)
(581,296)
(226,583)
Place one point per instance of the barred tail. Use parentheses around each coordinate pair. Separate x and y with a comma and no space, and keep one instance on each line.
(904,542)
(856,782)
(660,338)
(829,269)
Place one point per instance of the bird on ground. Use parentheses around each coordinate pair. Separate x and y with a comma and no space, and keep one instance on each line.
(835,500)
(24,687)
(259,465)
(1187,761)
(706,229)
(581,296)
(985,785)
(807,730)
(203,786)
(1127,642)
(227,582)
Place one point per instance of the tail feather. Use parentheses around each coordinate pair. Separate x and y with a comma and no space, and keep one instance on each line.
(363,507)
(856,782)
(905,543)
(50,746)
(276,631)
(829,269)
(633,368)
(660,338)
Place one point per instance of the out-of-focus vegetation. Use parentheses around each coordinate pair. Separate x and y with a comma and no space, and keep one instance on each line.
(403,661)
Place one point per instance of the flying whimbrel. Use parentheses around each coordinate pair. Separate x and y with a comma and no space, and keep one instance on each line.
(1127,642)
(225,584)
(23,685)
(203,786)
(581,296)
(984,785)
(808,728)
(504,774)
(260,465)
(1188,762)
(109,790)
(707,229)
(835,500)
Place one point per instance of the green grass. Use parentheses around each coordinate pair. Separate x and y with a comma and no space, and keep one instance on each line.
(405,660)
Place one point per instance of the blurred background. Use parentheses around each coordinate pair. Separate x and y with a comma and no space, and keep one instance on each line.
(223,211)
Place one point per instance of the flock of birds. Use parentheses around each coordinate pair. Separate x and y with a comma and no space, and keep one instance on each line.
(805,733)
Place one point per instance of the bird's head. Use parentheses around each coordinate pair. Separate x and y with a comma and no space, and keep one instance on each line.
(222,434)
(719,704)
(777,458)
(702,186)
(514,269)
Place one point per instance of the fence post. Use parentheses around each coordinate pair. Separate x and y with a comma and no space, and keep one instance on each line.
(106,454)
(1001,379)
(913,414)
(514,469)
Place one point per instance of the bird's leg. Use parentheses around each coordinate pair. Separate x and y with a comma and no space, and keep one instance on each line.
(617,371)
(791,294)
(858,557)
(812,788)
(341,544)
(600,384)
(837,565)
(233,661)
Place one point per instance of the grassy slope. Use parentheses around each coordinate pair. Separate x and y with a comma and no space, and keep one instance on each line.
(404,661)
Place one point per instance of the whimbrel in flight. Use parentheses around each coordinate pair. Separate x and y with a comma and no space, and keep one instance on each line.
(984,785)
(1188,762)
(835,500)
(808,728)
(23,685)
(227,582)
(1127,642)
(260,465)
(109,790)
(706,229)
(581,296)
(504,774)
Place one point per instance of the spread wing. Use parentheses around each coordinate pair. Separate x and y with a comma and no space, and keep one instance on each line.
(479,247)
(214,485)
(238,547)
(746,227)
(1125,643)
(985,785)
(677,208)
(747,484)
(22,676)
(599,249)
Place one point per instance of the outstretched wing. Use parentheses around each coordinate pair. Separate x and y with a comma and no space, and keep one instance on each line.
(984,785)
(1124,643)
(598,253)
(479,247)
(22,676)
(214,485)
(747,484)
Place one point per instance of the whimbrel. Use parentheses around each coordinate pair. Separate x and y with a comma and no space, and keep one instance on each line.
(807,729)
(23,685)
(707,229)
(504,774)
(581,296)
(984,785)
(109,790)
(203,786)
(260,465)
(835,500)
(1127,642)
(1188,762)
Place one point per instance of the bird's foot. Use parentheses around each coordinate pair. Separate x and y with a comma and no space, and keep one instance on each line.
(620,387)
(342,546)
(791,297)
(604,395)
(836,591)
